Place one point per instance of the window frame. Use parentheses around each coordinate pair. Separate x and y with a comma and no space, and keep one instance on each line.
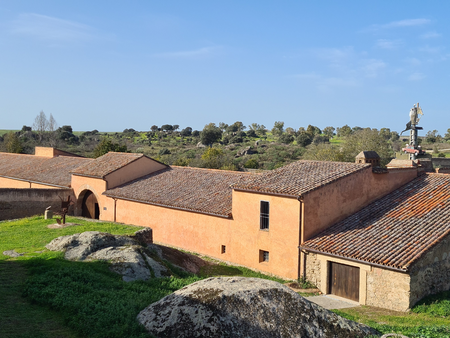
(264,215)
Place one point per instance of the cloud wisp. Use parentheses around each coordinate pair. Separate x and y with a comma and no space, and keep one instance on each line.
(430,35)
(388,44)
(190,54)
(400,24)
(49,28)
(416,77)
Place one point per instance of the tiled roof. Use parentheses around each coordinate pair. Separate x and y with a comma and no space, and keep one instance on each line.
(368,154)
(106,164)
(300,177)
(395,230)
(200,190)
(51,170)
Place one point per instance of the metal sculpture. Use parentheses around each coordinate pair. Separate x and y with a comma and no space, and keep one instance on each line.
(64,210)
(413,148)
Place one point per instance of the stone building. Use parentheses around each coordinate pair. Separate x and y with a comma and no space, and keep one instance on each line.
(308,218)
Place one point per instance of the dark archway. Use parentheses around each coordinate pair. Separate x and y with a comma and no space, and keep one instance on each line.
(89,206)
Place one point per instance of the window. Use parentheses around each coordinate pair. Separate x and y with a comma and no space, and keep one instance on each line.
(263,256)
(224,249)
(264,216)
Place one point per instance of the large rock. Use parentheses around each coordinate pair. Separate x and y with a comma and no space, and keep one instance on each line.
(126,256)
(244,307)
(79,246)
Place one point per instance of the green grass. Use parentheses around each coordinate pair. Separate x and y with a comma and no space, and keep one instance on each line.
(43,295)
(421,322)
(5,131)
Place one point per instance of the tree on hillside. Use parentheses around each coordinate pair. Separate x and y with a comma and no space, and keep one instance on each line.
(167,127)
(213,158)
(432,136)
(210,134)
(154,128)
(12,143)
(366,140)
(186,131)
(323,152)
(278,128)
(106,145)
(328,131)
(40,125)
(304,139)
(313,130)
(447,135)
(343,131)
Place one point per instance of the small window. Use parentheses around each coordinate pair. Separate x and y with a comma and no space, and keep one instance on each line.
(263,256)
(223,249)
(264,216)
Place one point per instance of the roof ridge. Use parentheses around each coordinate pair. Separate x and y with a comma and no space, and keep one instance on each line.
(217,170)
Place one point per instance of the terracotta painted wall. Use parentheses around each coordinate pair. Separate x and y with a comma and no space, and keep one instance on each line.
(43,186)
(141,167)
(97,186)
(44,151)
(241,235)
(333,202)
(10,183)
(281,240)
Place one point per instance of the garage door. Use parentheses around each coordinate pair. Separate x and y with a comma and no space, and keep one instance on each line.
(344,281)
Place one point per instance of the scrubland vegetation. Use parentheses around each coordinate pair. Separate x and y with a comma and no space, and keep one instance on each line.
(223,146)
(42,295)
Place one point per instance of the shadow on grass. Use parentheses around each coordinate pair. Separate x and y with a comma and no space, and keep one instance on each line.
(90,299)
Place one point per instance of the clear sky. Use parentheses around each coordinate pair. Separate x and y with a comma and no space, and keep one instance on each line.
(111,65)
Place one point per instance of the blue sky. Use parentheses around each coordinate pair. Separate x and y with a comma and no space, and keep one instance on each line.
(111,65)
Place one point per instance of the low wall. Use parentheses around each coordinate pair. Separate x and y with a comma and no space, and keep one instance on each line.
(431,273)
(18,203)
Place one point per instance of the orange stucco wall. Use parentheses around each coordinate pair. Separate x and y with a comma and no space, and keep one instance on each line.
(44,151)
(141,167)
(97,186)
(241,235)
(333,202)
(10,183)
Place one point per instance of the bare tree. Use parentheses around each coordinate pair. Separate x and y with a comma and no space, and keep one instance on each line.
(40,125)
(52,134)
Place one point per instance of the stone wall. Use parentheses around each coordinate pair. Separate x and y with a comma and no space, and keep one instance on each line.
(431,273)
(313,269)
(441,162)
(18,203)
(388,289)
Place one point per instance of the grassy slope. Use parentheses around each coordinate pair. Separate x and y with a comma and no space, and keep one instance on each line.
(72,299)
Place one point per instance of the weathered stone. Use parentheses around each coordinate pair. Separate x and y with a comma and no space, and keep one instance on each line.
(126,256)
(78,246)
(200,145)
(144,236)
(129,262)
(12,253)
(244,307)
(183,260)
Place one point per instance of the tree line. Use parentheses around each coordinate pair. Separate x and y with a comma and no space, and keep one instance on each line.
(227,146)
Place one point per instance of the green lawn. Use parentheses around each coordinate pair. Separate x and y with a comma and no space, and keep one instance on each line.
(43,295)
(5,131)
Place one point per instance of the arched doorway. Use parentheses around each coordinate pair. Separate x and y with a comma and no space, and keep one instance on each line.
(89,206)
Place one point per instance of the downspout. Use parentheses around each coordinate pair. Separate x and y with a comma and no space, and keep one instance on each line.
(301,271)
(115,204)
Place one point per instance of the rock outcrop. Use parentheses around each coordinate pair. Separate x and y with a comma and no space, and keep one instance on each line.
(126,255)
(244,307)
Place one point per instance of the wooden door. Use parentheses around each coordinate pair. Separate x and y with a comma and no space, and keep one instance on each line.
(344,281)
(90,207)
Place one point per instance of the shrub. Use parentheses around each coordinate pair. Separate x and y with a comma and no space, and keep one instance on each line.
(252,163)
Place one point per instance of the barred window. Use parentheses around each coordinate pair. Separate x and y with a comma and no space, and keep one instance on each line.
(263,256)
(264,216)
